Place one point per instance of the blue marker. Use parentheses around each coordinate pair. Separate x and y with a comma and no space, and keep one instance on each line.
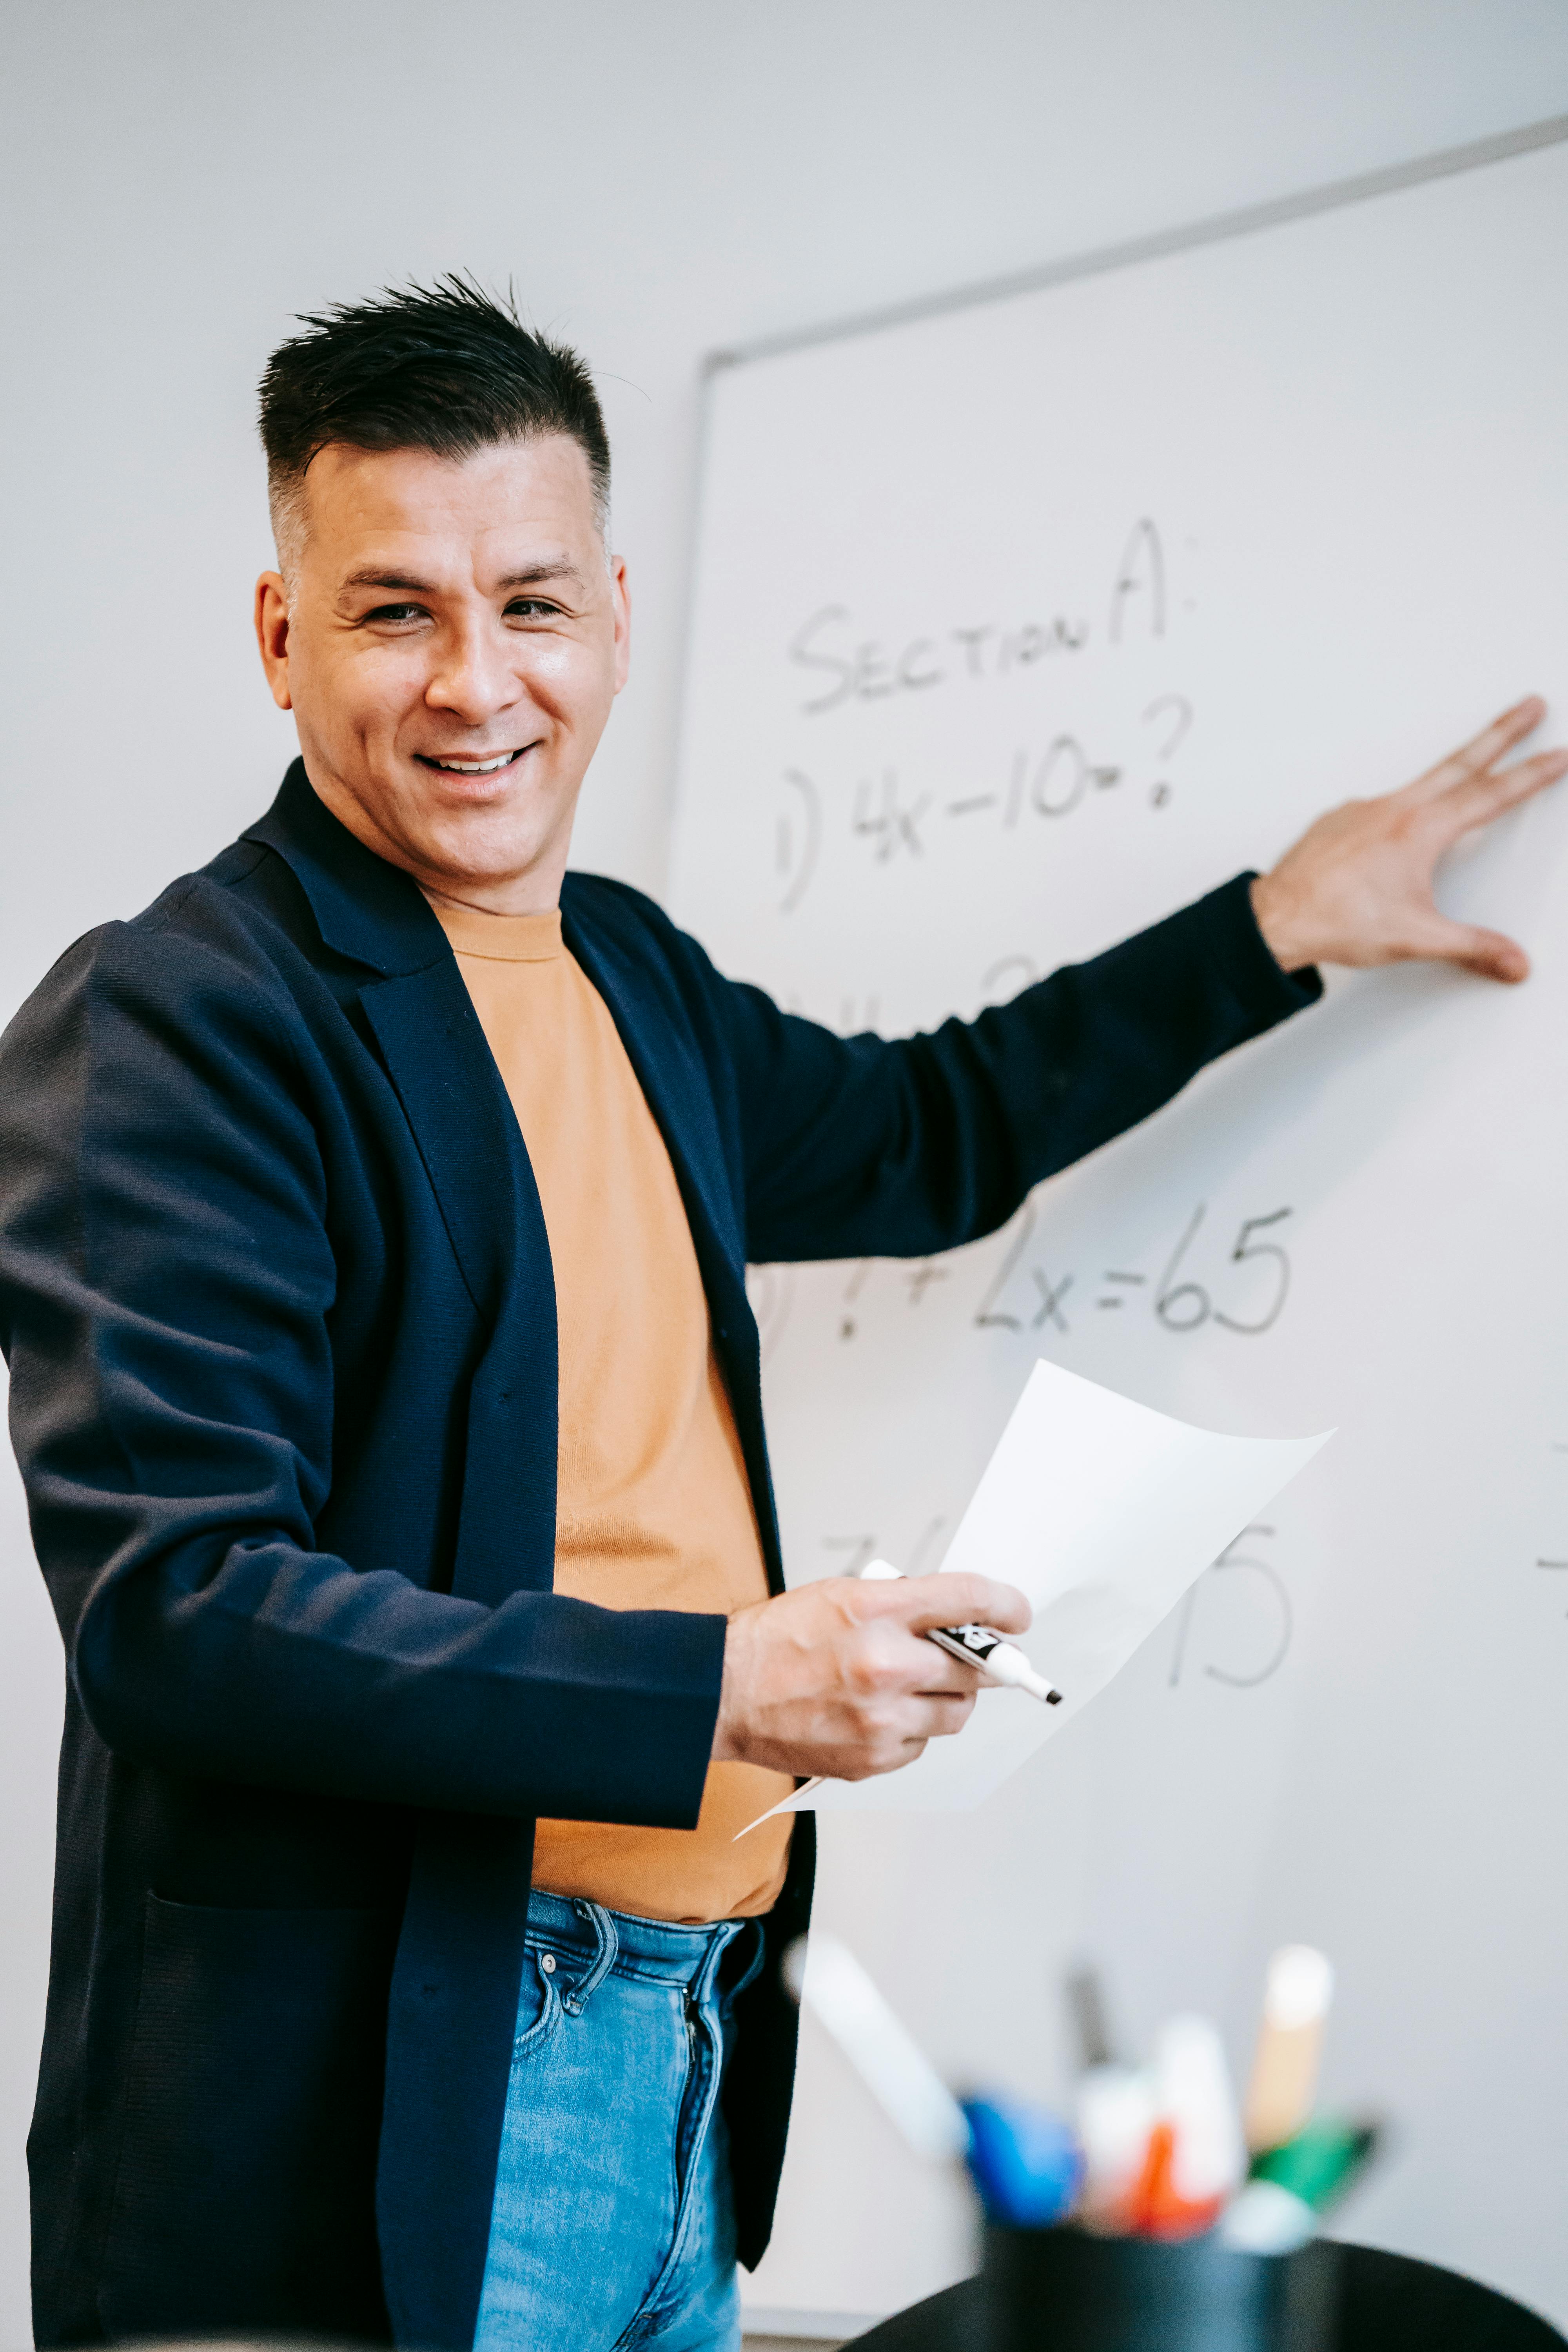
(1024,2162)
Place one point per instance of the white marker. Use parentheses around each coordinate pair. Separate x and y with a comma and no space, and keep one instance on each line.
(979,1645)
(827,1978)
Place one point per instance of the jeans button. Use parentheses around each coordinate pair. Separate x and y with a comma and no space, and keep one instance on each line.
(547,1963)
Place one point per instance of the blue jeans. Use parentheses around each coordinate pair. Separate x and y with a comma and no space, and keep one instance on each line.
(612,2224)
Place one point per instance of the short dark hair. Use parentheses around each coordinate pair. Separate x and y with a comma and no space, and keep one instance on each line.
(448,368)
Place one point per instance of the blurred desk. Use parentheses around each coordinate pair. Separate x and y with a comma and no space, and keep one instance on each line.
(1387,2303)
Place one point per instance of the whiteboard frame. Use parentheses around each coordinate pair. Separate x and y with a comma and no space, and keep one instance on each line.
(1214,230)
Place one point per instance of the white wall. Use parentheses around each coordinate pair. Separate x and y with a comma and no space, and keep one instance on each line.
(658,178)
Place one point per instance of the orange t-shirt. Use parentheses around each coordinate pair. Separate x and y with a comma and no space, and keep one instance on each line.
(653,1508)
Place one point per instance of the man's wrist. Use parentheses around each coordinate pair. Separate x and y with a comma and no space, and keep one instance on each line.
(1278,922)
(725,1749)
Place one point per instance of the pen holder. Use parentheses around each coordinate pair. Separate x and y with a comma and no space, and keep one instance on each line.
(1061,2290)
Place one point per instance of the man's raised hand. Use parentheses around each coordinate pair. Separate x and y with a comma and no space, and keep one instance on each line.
(1357,887)
(835,1678)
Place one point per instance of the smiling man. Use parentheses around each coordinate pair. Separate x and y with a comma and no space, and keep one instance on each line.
(374,1217)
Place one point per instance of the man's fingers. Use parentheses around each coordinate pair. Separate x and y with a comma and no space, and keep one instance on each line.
(935,1715)
(920,1716)
(935,1672)
(875,1761)
(1491,954)
(924,1601)
(944,1712)
(1477,799)
(1482,751)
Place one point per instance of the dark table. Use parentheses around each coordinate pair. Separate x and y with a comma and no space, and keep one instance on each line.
(1387,2303)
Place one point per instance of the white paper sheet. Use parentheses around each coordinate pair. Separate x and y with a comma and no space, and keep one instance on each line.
(1102,1513)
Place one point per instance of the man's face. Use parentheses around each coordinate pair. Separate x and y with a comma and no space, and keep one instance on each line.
(451,653)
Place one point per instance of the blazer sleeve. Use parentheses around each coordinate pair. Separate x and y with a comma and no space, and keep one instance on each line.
(860,1147)
(166,1288)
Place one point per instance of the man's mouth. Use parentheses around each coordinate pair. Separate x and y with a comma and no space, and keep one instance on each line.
(491,767)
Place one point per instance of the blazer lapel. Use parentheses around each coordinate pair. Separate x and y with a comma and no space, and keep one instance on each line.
(437,1057)
(365,908)
(435,1054)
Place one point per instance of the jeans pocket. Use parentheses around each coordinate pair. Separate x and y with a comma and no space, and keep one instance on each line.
(538,2003)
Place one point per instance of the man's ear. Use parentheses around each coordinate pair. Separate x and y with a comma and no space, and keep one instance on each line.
(272,635)
(621,594)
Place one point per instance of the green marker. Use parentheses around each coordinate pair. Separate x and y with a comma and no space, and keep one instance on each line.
(1289,2186)
(1320,2163)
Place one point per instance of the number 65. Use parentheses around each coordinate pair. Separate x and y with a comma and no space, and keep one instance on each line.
(1183,1306)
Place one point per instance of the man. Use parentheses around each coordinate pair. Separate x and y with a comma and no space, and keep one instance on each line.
(375,1209)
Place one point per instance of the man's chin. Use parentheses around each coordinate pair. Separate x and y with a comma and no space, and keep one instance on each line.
(461,834)
(491,845)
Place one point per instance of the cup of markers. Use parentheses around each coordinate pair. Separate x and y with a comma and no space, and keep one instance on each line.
(1161,2219)
(1163,2215)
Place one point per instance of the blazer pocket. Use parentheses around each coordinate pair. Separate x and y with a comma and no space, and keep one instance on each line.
(245,2196)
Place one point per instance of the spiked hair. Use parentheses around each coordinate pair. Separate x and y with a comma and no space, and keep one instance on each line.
(448,368)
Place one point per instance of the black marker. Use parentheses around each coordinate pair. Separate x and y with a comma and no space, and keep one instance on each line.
(980,1645)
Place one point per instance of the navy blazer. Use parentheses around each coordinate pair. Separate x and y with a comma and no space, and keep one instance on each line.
(277,1297)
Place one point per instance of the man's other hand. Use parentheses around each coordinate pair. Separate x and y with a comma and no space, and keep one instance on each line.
(1357,887)
(835,1678)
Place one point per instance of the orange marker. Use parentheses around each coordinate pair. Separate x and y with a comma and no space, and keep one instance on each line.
(1159,2208)
(1196,2159)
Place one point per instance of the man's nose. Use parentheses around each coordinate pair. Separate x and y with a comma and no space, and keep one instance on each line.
(474,675)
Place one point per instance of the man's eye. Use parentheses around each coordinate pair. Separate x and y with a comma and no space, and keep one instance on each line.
(532,608)
(396,613)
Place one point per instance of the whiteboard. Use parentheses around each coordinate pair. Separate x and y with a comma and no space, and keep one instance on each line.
(1016,625)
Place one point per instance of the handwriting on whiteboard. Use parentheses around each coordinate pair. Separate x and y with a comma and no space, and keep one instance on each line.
(1178,1301)
(1256,1638)
(1241,1288)
(843,666)
(889,817)
(894,821)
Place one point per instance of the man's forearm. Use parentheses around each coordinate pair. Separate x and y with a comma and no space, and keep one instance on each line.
(285,1669)
(927,1142)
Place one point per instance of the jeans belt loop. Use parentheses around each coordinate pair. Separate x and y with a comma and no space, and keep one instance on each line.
(607,1944)
(704,1982)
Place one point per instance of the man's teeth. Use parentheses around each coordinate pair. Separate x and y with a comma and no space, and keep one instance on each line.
(477,767)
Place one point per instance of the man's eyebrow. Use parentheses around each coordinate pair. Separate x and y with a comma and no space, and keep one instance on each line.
(529,575)
(370,578)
